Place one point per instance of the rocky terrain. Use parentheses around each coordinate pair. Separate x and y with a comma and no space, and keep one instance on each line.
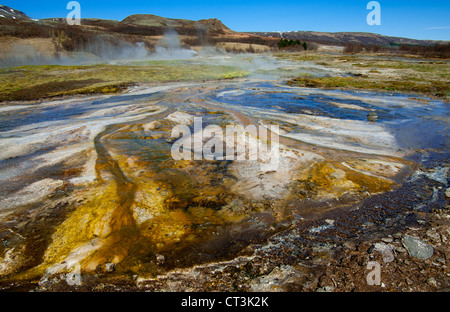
(7,12)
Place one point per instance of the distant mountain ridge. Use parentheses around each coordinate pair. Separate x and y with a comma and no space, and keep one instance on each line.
(154,20)
(7,12)
(211,25)
(344,38)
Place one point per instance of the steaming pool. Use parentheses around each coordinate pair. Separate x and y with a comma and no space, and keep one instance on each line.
(90,183)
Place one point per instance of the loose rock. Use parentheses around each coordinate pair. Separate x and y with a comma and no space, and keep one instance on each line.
(385,250)
(372,117)
(160,259)
(110,267)
(325,289)
(417,248)
(431,281)
(387,239)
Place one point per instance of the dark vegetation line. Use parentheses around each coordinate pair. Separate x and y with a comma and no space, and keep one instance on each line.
(438,50)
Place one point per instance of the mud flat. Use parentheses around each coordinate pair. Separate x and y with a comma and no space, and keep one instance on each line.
(90,184)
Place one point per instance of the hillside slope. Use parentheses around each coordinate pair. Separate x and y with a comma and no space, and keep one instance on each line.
(7,12)
(344,38)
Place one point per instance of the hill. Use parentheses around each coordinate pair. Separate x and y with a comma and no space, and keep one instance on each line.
(211,25)
(56,36)
(345,38)
(7,12)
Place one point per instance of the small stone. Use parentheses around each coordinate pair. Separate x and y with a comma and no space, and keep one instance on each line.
(373,117)
(387,239)
(363,247)
(400,249)
(385,250)
(349,245)
(160,259)
(325,289)
(432,282)
(110,267)
(447,192)
(433,235)
(325,281)
(417,248)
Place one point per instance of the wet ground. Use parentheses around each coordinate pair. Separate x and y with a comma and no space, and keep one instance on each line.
(91,182)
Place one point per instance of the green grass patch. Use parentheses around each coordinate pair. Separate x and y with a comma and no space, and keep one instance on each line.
(37,82)
(427,77)
(304,56)
(439,89)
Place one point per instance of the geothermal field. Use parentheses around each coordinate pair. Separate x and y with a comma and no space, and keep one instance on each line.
(348,166)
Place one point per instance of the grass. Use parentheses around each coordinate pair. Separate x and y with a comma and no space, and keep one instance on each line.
(438,89)
(380,73)
(38,82)
(299,56)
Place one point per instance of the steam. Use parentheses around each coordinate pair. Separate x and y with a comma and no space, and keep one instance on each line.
(118,50)
(20,55)
(102,50)
(170,48)
(112,50)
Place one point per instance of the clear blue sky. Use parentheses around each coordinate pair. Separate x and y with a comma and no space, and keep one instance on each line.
(412,19)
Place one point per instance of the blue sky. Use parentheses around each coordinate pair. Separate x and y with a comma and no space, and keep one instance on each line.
(412,19)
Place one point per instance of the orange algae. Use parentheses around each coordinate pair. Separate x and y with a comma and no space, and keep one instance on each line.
(333,179)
